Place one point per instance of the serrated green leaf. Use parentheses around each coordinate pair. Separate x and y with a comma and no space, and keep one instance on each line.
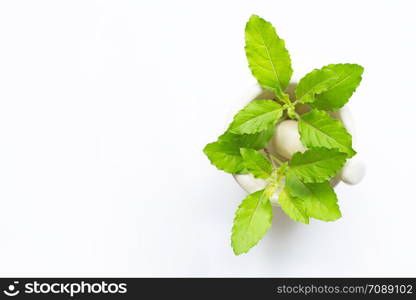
(268,59)
(256,116)
(256,163)
(225,153)
(255,141)
(317,164)
(335,96)
(225,156)
(319,199)
(252,220)
(293,207)
(314,83)
(318,129)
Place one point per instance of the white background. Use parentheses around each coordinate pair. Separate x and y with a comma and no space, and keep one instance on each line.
(105,107)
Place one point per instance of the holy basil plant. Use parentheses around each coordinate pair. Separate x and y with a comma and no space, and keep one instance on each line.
(303,181)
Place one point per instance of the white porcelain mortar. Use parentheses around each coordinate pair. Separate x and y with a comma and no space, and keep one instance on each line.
(352,172)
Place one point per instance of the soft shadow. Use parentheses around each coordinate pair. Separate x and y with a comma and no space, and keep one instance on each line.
(291,90)
(280,239)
